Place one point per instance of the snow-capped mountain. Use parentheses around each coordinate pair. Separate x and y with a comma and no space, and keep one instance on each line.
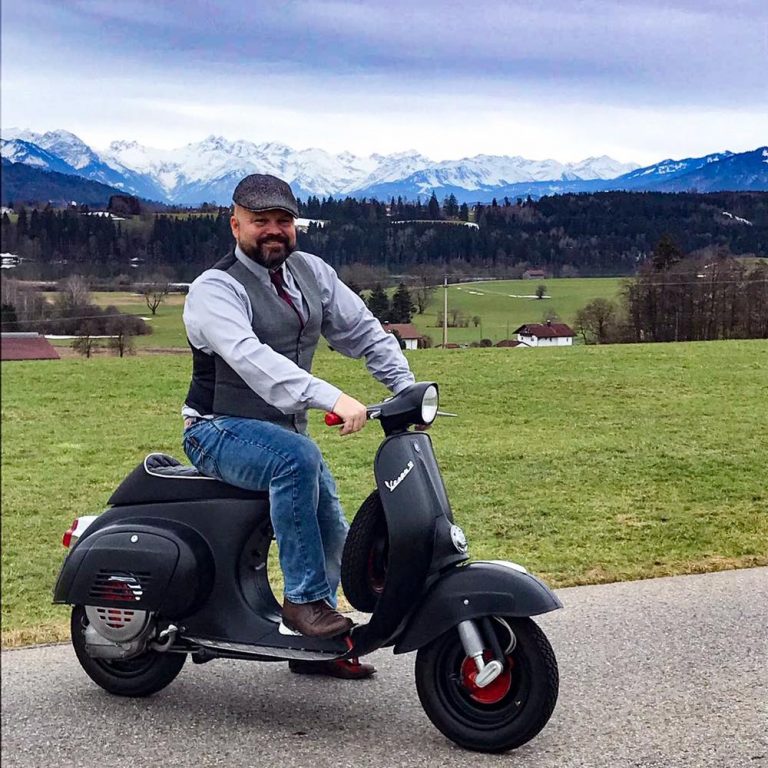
(207,171)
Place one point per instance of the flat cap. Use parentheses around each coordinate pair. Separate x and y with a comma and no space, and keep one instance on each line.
(262,192)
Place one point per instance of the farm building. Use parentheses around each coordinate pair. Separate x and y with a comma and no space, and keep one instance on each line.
(408,332)
(26,346)
(534,274)
(511,343)
(545,334)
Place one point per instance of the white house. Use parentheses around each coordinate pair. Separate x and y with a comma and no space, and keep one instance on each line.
(545,334)
(408,332)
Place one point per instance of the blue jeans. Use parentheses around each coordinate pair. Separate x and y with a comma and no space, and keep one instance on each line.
(307,518)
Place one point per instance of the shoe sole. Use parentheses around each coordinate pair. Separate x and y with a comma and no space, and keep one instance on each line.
(283,629)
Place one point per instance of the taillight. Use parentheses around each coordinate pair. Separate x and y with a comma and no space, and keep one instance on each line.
(66,539)
(77,529)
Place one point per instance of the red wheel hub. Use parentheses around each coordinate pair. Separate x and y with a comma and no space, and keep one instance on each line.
(495,691)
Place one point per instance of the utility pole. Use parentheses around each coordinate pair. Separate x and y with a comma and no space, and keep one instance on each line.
(445,311)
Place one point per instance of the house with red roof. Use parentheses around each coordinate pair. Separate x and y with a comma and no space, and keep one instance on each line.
(408,332)
(547,334)
(26,346)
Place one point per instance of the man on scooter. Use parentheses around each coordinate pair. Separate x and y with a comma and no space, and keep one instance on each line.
(253,322)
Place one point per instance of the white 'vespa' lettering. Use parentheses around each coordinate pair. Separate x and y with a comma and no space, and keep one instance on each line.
(392,484)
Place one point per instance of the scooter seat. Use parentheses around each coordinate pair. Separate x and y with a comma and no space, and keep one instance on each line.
(162,478)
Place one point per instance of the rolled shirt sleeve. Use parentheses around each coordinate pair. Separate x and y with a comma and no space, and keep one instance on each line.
(217,317)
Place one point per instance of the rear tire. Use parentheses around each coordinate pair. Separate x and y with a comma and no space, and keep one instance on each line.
(140,676)
(366,553)
(478,719)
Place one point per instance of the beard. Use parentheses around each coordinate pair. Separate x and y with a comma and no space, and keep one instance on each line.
(269,251)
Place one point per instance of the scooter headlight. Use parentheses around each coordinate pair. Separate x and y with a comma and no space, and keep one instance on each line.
(429,404)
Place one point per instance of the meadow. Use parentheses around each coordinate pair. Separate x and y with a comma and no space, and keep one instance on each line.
(504,305)
(501,305)
(586,464)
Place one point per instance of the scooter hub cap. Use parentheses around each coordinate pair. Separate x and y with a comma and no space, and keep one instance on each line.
(494,692)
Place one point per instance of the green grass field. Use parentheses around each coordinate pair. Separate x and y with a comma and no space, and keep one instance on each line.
(504,305)
(587,464)
(493,302)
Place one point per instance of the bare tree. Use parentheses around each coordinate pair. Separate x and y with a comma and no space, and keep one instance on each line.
(596,321)
(121,331)
(426,277)
(155,291)
(72,294)
(86,341)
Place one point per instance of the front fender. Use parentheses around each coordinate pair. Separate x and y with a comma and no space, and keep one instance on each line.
(481,588)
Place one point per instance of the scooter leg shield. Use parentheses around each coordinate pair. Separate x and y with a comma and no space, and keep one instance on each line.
(481,588)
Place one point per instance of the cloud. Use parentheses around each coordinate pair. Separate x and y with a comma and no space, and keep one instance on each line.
(375,74)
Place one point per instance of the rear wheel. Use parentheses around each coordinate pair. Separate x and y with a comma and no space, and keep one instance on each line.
(503,715)
(139,676)
(366,554)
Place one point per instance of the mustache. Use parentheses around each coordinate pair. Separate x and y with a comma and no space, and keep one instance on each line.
(276,239)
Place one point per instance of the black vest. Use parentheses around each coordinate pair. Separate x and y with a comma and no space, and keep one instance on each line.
(216,389)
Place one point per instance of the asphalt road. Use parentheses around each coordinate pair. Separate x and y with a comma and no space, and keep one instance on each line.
(668,673)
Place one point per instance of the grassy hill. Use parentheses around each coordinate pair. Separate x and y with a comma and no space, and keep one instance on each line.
(502,305)
(587,464)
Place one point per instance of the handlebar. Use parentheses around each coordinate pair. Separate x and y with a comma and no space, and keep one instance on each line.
(334,420)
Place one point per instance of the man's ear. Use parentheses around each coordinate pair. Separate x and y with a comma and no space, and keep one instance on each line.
(234,223)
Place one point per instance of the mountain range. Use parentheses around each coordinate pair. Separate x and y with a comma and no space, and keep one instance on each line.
(208,171)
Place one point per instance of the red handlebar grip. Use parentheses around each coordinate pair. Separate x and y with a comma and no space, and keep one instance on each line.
(332,420)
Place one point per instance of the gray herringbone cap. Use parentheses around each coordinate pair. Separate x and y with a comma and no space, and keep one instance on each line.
(262,192)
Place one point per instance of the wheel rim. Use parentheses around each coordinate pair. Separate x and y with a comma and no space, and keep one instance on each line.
(492,693)
(487,708)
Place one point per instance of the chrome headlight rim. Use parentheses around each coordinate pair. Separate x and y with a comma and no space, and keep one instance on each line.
(429,404)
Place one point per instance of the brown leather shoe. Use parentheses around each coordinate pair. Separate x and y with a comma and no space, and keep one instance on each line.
(316,619)
(346,669)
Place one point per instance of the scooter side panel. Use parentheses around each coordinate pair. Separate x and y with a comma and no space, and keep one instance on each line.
(482,588)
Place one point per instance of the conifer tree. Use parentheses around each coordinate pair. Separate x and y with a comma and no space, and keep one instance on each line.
(433,207)
(378,303)
(402,305)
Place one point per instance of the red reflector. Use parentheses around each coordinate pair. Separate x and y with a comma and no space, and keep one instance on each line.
(66,539)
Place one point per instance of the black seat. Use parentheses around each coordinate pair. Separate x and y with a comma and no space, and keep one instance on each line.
(162,478)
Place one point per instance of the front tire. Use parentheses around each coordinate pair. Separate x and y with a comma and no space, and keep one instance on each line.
(507,714)
(140,676)
(366,554)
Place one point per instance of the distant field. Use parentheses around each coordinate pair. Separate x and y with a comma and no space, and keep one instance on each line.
(494,302)
(504,305)
(587,464)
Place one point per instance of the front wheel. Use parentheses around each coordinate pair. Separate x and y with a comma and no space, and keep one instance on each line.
(142,675)
(366,556)
(503,715)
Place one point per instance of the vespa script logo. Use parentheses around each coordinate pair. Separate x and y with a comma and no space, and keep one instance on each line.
(392,484)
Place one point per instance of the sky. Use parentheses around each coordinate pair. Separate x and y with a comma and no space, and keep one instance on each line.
(640,81)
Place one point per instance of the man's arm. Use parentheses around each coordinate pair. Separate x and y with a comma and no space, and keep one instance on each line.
(217,319)
(351,329)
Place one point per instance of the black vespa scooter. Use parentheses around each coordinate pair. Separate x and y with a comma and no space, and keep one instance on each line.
(177,566)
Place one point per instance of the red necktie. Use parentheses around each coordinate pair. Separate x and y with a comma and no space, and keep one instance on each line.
(277,281)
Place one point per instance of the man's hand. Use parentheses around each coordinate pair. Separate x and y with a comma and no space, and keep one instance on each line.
(351,412)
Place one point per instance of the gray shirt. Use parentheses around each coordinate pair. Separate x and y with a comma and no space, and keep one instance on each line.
(217,317)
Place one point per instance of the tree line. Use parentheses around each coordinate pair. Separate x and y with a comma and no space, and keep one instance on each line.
(607,233)
(678,297)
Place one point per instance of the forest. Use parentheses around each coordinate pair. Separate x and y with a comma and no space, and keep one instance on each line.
(601,234)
